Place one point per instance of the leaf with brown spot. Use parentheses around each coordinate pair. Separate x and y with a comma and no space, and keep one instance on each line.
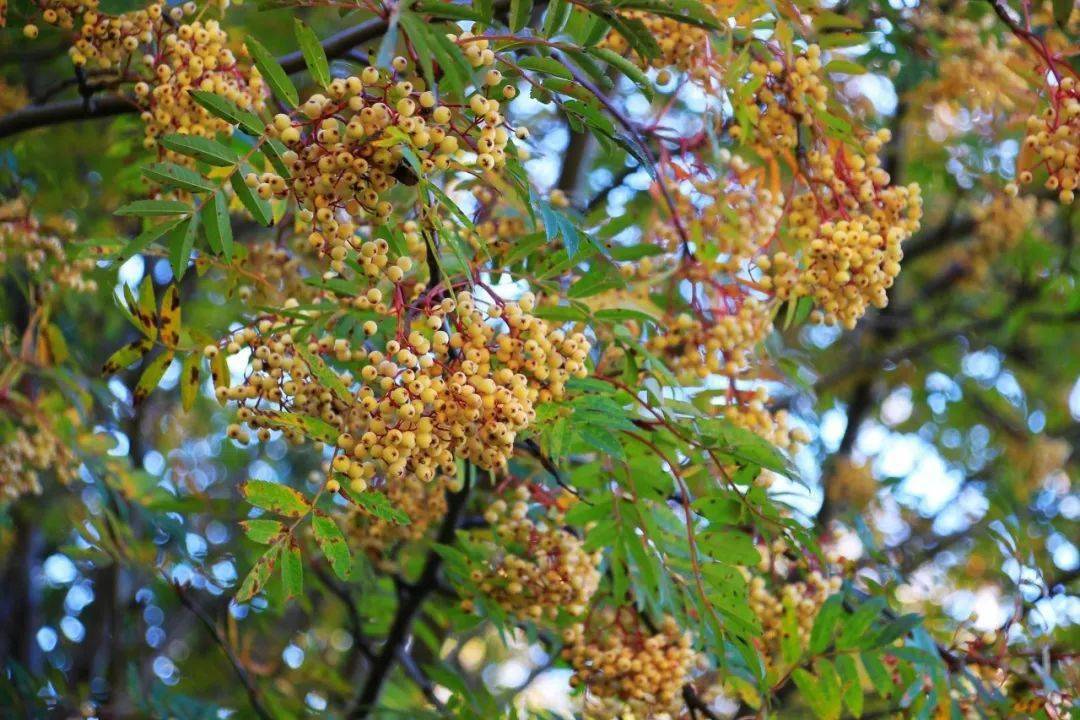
(258,576)
(333,545)
(263,530)
(151,376)
(219,371)
(275,497)
(126,356)
(169,317)
(189,381)
(292,570)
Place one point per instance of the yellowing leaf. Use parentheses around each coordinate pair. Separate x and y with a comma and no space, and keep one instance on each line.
(169,317)
(151,376)
(189,381)
(126,356)
(219,370)
(260,573)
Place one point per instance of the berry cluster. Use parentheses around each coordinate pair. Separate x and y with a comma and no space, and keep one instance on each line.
(977,72)
(853,223)
(789,94)
(736,214)
(347,149)
(680,44)
(1001,221)
(194,56)
(751,412)
(39,246)
(423,502)
(28,452)
(536,569)
(785,583)
(427,398)
(1052,143)
(624,666)
(108,41)
(721,341)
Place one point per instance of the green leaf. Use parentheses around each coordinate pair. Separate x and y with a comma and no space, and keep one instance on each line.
(275,497)
(829,682)
(332,544)
(842,39)
(263,530)
(312,427)
(828,20)
(323,373)
(312,50)
(181,243)
(154,208)
(879,675)
(209,151)
(825,623)
(228,111)
(852,683)
(381,507)
(176,176)
(126,355)
(292,571)
(189,380)
(746,446)
(151,376)
(602,440)
(272,72)
(546,65)
(897,628)
(594,282)
(216,225)
(485,9)
(274,151)
(145,238)
(558,12)
(1062,11)
(439,8)
(417,31)
(259,208)
(520,13)
(845,66)
(626,67)
(58,348)
(730,546)
(811,691)
(855,627)
(258,576)
(635,33)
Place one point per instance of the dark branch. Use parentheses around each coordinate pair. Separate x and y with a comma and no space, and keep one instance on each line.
(411,597)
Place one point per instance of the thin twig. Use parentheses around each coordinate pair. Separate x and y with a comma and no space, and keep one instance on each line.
(234,661)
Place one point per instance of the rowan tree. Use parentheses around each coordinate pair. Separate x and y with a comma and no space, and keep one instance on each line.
(589,358)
